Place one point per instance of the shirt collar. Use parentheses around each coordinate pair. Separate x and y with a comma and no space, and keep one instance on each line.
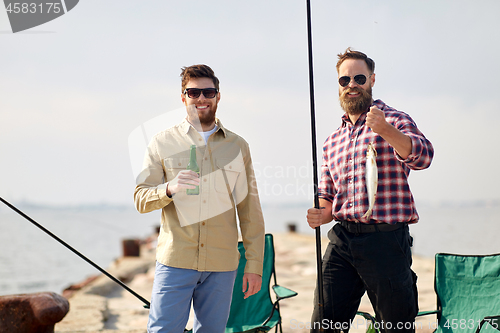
(346,121)
(185,126)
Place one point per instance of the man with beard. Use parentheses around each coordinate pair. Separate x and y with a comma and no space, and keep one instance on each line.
(368,252)
(197,254)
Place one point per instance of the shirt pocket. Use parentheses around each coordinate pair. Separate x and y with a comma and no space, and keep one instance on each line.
(173,166)
(228,171)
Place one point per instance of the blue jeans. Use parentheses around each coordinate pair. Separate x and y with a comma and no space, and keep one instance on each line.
(378,263)
(175,288)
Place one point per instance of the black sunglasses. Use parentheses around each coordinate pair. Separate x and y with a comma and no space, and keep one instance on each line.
(195,92)
(359,79)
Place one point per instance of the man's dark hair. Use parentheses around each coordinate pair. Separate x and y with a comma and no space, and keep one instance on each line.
(350,54)
(197,71)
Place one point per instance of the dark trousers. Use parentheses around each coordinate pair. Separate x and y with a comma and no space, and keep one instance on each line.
(378,263)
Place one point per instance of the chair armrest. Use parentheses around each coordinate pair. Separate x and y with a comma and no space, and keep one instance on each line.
(425,313)
(494,321)
(366,315)
(282,292)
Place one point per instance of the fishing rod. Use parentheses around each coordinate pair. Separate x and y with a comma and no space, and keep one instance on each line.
(319,262)
(146,302)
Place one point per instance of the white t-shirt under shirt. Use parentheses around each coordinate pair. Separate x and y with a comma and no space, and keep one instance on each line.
(206,135)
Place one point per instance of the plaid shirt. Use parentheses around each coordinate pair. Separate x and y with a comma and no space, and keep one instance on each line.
(343,171)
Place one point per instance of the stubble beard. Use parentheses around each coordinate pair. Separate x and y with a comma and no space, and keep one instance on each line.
(358,105)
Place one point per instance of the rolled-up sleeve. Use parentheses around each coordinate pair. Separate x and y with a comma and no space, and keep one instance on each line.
(422,151)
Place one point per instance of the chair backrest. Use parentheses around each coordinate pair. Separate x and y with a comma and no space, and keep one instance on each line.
(247,314)
(468,289)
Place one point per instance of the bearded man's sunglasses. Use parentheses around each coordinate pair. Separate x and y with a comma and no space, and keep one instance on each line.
(195,92)
(359,79)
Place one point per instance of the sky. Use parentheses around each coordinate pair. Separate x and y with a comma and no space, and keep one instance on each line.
(74,91)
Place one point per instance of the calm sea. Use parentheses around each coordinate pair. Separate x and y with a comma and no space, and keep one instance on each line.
(31,261)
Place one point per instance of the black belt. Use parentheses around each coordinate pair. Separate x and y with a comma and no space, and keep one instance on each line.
(363,228)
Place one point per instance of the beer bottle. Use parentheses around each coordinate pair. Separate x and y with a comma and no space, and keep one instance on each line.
(193,166)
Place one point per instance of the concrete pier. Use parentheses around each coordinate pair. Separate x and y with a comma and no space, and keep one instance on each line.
(103,306)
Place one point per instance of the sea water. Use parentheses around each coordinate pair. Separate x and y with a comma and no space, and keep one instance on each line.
(32,261)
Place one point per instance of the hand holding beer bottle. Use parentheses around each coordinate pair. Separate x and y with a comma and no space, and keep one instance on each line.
(188,180)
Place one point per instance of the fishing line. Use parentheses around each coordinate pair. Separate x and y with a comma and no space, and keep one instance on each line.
(146,302)
(319,262)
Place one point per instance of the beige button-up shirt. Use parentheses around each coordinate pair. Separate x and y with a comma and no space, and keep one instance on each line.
(200,231)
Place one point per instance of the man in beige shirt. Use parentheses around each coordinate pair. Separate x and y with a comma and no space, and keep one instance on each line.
(197,255)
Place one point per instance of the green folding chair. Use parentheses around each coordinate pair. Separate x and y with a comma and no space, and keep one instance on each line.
(258,313)
(468,294)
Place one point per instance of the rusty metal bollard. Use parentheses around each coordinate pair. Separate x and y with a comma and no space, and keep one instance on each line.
(131,248)
(292,227)
(32,313)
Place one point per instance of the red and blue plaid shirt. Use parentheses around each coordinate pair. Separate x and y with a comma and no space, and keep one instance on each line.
(343,171)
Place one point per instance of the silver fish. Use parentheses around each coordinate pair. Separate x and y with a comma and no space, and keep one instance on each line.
(371,178)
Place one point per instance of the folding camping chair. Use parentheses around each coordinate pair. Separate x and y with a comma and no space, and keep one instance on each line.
(258,313)
(468,294)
